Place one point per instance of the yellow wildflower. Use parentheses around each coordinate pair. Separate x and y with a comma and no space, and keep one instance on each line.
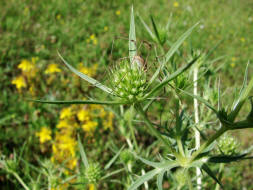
(25,65)
(106,28)
(176,4)
(19,82)
(83,115)
(117,12)
(44,134)
(67,143)
(66,113)
(26,11)
(62,124)
(92,37)
(232,65)
(52,68)
(233,59)
(95,41)
(242,39)
(108,124)
(72,163)
(88,71)
(58,16)
(32,90)
(90,126)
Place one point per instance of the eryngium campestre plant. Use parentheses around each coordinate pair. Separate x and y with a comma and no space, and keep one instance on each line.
(129,85)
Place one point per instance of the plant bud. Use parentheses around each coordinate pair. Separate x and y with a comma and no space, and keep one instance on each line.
(126,156)
(228,145)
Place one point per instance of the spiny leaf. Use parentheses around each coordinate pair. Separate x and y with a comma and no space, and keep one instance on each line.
(142,179)
(108,165)
(250,116)
(211,174)
(226,158)
(244,92)
(242,124)
(200,99)
(86,77)
(132,37)
(160,180)
(79,102)
(82,152)
(154,164)
(112,173)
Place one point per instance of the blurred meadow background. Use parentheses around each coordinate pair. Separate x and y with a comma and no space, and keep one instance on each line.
(92,36)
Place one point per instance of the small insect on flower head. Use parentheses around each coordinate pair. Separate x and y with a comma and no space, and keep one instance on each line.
(139,61)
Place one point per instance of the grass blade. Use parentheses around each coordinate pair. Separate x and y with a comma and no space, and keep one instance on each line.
(86,77)
(82,152)
(108,165)
(144,178)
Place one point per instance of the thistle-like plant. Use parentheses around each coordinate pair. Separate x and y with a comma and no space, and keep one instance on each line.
(130,85)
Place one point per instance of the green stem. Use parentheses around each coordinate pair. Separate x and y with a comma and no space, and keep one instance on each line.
(207,143)
(20,180)
(152,129)
(180,147)
(133,135)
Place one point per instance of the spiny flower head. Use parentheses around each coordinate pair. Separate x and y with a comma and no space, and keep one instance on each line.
(228,145)
(129,81)
(93,172)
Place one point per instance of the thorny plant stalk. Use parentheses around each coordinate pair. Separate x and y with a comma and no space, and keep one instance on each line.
(196,115)
(20,180)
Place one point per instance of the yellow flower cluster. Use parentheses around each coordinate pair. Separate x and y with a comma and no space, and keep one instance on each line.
(28,72)
(175,4)
(72,119)
(52,68)
(44,135)
(92,39)
(118,12)
(233,59)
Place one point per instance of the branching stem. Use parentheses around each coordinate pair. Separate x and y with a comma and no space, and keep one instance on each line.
(152,129)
